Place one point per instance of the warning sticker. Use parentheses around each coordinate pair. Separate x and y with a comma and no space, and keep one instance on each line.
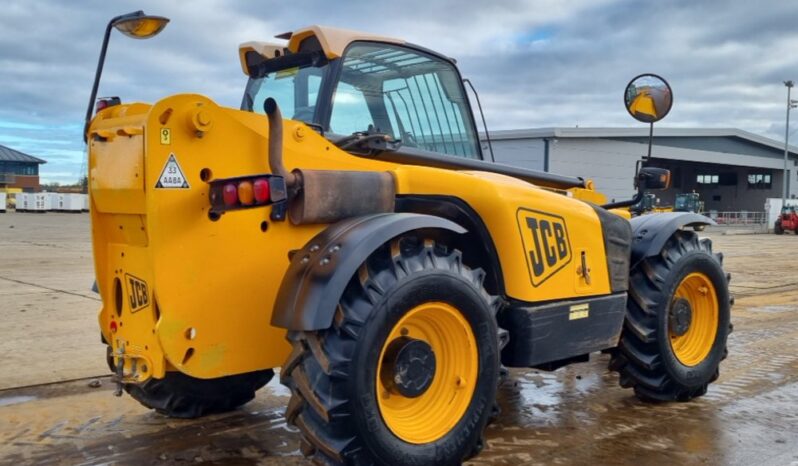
(166,136)
(172,176)
(579,311)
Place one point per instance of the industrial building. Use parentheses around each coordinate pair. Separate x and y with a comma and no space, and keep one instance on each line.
(731,169)
(18,171)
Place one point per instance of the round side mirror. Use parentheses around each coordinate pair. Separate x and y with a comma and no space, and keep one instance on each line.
(648,98)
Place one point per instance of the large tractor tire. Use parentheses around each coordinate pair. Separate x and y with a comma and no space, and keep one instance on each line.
(677,322)
(182,396)
(407,372)
(778,229)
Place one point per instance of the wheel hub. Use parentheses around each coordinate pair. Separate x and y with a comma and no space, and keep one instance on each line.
(408,367)
(681,316)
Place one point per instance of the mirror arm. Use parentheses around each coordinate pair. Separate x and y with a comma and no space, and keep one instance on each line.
(630,202)
(99,72)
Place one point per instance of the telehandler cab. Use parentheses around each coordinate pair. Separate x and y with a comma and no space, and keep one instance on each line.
(359,219)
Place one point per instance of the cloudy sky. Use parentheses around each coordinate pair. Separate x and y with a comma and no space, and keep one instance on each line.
(535,63)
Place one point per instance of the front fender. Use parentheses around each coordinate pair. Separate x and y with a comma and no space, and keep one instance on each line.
(650,232)
(319,272)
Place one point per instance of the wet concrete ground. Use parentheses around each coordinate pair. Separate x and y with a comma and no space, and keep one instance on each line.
(577,415)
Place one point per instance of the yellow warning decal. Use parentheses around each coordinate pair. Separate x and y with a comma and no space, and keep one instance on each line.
(166,136)
(579,311)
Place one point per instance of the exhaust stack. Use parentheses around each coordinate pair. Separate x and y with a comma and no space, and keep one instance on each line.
(326,196)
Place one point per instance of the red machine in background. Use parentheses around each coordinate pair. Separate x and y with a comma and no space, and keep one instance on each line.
(787,221)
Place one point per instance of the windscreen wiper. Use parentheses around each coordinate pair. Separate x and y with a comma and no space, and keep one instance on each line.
(369,142)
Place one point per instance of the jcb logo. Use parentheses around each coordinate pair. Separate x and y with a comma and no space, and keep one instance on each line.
(137,294)
(546,243)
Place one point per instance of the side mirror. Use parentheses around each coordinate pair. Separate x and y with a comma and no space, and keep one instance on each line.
(653,179)
(648,98)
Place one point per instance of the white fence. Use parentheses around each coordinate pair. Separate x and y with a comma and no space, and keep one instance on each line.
(742,218)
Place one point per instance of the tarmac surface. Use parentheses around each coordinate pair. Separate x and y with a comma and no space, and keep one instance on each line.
(52,410)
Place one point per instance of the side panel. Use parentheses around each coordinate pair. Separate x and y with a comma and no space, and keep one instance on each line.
(543,239)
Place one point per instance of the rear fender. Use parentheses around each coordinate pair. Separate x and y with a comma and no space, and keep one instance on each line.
(650,232)
(319,272)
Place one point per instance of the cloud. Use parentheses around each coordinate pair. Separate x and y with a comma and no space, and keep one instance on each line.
(535,62)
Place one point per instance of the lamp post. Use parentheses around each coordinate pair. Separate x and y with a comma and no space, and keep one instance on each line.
(790,105)
(137,25)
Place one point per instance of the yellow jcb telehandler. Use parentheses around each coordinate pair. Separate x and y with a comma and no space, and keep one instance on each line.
(344,226)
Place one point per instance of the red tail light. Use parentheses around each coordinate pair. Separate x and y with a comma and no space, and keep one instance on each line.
(261,187)
(245,192)
(230,194)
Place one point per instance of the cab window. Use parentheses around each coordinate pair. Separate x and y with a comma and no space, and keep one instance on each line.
(413,96)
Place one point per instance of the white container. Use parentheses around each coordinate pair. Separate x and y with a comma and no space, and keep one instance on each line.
(3,202)
(42,202)
(69,203)
(21,202)
(85,202)
(53,200)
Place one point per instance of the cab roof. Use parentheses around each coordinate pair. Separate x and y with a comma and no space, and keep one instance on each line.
(333,41)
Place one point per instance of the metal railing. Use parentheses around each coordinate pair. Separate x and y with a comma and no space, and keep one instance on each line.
(7,178)
(741,218)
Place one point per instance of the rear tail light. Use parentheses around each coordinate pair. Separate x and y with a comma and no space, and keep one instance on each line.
(261,187)
(245,192)
(230,194)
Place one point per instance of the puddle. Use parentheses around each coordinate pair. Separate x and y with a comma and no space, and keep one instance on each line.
(276,388)
(15,400)
(773,308)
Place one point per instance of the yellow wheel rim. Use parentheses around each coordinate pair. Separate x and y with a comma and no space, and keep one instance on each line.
(694,345)
(435,412)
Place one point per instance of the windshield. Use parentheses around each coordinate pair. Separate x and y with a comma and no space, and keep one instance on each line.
(415,97)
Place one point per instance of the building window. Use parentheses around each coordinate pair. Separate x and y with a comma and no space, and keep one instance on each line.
(19,168)
(723,179)
(707,179)
(759,181)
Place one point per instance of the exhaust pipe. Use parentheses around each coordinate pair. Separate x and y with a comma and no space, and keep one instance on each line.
(276,142)
(326,196)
